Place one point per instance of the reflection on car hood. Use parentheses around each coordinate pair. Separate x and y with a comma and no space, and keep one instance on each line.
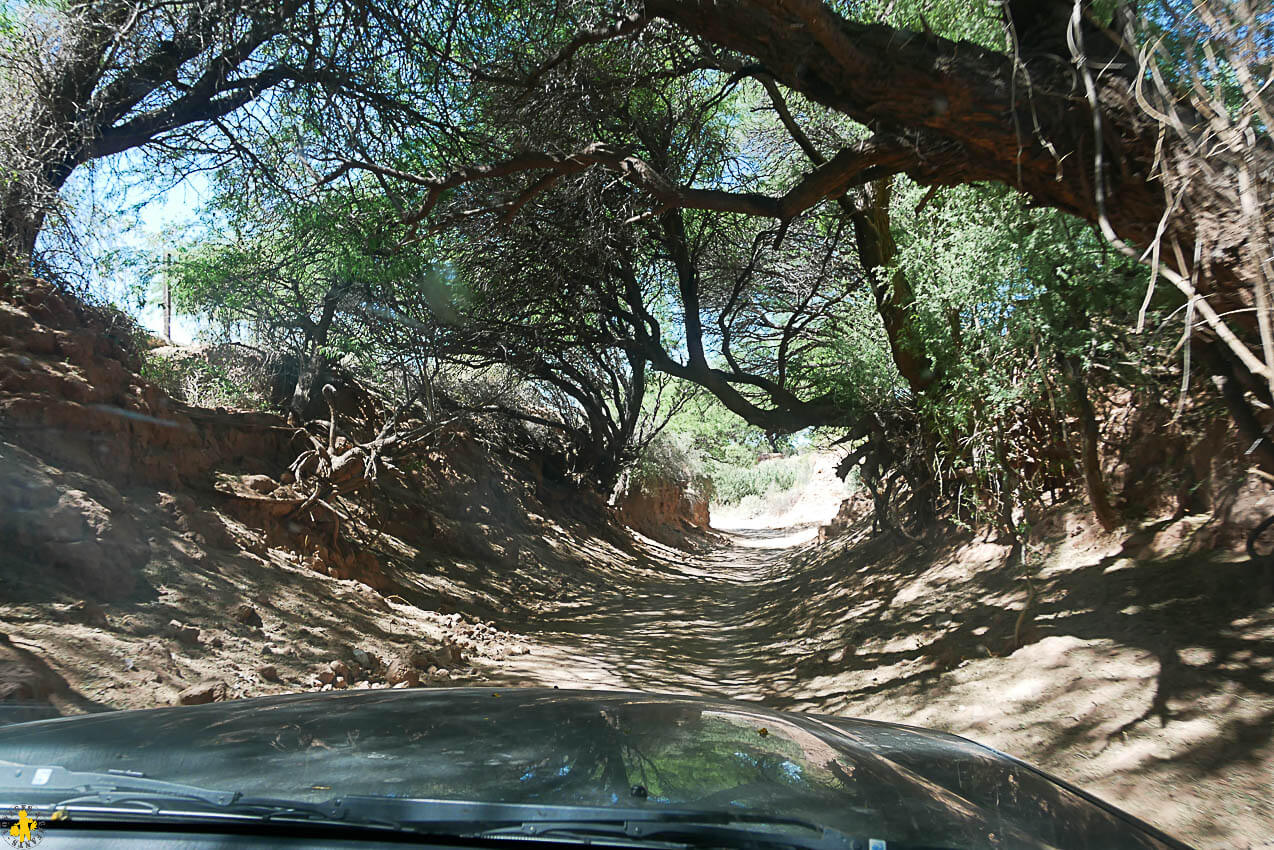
(592,748)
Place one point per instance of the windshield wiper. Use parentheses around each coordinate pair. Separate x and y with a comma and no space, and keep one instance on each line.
(43,788)
(522,820)
(677,832)
(123,795)
(50,779)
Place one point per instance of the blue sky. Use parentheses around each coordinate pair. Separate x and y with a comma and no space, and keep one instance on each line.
(126,212)
(173,210)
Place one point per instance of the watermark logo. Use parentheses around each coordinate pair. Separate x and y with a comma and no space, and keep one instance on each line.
(20,829)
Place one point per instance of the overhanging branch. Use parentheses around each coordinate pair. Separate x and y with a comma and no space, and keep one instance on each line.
(855,165)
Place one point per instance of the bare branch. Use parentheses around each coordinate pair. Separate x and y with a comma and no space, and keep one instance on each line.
(851,167)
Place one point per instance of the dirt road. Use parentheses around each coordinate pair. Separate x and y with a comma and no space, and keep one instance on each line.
(679,623)
(1128,683)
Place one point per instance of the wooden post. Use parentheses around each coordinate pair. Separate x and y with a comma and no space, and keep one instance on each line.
(168,298)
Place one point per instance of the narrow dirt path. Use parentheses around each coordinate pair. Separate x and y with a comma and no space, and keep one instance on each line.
(1146,679)
(680,623)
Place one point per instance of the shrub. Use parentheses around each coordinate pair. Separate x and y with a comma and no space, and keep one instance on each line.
(765,480)
(668,457)
(203,382)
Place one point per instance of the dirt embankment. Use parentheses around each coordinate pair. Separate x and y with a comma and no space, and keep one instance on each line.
(154,553)
(667,510)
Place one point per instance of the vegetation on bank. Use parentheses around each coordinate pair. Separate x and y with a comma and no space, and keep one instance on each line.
(733,465)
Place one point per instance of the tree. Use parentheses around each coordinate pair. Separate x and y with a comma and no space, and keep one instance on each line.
(539,298)
(314,279)
(1154,127)
(700,299)
(88,79)
(1032,316)
(726,193)
(715,298)
(1172,173)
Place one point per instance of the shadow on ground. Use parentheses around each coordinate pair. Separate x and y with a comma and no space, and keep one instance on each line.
(1135,677)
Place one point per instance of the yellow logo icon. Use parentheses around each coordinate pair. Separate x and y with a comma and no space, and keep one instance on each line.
(24,830)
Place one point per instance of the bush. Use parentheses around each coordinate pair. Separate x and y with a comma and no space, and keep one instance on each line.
(203,382)
(765,480)
(668,457)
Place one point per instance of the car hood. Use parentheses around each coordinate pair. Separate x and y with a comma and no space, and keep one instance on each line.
(593,748)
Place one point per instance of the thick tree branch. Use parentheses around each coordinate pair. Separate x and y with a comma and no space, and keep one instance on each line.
(627,25)
(971,114)
(853,166)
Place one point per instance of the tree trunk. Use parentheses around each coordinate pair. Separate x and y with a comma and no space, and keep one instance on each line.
(1223,371)
(1008,482)
(630,410)
(21,220)
(895,299)
(1090,447)
(788,414)
(315,360)
(24,210)
(303,393)
(956,113)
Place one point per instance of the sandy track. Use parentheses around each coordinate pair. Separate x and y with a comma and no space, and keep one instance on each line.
(1130,686)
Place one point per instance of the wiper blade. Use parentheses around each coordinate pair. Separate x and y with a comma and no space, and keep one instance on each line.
(424,810)
(51,779)
(121,794)
(45,787)
(681,832)
(496,820)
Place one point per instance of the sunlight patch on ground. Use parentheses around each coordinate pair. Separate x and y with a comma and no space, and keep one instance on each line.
(780,538)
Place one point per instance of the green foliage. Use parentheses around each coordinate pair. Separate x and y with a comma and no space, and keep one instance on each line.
(669,457)
(8,23)
(1009,301)
(270,271)
(979,21)
(704,440)
(1012,306)
(1003,289)
(719,438)
(321,280)
(203,383)
(764,480)
(164,372)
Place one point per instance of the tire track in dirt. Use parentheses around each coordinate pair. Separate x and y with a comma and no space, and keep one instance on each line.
(686,624)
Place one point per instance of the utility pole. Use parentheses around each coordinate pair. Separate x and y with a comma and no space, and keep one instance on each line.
(168,297)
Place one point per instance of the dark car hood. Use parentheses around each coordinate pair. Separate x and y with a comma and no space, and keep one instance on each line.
(591,748)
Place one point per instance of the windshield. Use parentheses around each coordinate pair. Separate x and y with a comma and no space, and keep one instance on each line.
(579,749)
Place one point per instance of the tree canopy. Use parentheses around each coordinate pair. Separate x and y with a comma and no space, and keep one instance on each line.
(941,232)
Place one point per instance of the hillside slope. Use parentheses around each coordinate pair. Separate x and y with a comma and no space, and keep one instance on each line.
(153,554)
